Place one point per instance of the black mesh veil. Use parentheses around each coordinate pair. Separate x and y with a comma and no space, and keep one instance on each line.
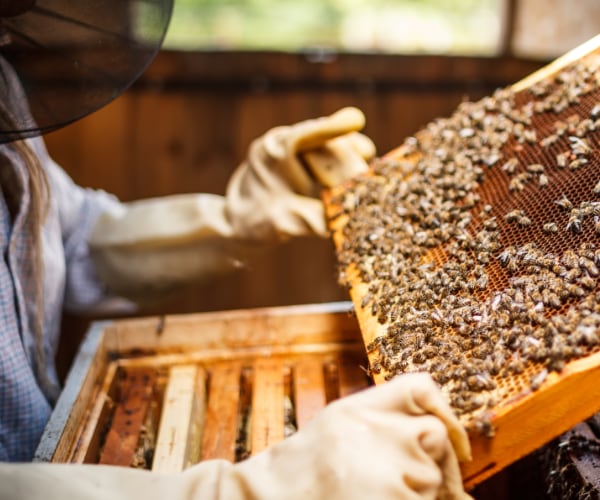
(72,57)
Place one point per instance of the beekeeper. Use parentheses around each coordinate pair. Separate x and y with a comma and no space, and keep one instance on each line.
(67,247)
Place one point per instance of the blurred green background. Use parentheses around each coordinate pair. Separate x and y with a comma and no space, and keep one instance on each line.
(470,27)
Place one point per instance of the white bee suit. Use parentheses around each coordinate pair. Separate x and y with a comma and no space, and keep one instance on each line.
(155,244)
(399,440)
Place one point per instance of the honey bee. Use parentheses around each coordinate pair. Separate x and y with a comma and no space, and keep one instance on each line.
(560,127)
(419,358)
(483,425)
(374,367)
(538,379)
(374,345)
(517,183)
(514,215)
(588,282)
(440,376)
(553,300)
(374,308)
(515,365)
(586,249)
(562,160)
(524,221)
(573,121)
(539,89)
(556,364)
(510,166)
(549,140)
(530,136)
(575,290)
(572,274)
(570,259)
(579,146)
(587,335)
(574,225)
(560,105)
(365,300)
(585,126)
(540,106)
(512,266)
(482,282)
(490,224)
(535,168)
(564,203)
(597,257)
(589,266)
(577,163)
(429,351)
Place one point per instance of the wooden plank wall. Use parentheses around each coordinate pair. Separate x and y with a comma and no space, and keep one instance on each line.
(187,123)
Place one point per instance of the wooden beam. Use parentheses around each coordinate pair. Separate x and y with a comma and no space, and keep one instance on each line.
(136,391)
(182,420)
(87,447)
(221,425)
(309,389)
(268,416)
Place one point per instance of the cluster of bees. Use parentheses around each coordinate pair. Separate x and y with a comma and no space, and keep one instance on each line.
(476,248)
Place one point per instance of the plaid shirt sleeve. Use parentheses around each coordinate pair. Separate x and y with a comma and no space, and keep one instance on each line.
(69,282)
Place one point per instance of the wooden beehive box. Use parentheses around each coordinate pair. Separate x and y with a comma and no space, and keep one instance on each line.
(165,392)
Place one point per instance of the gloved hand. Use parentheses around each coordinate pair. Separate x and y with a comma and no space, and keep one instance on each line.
(147,247)
(398,440)
(273,193)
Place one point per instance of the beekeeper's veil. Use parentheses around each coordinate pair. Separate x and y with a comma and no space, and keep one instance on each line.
(72,57)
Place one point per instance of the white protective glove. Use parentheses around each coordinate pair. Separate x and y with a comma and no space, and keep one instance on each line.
(147,247)
(399,440)
(273,194)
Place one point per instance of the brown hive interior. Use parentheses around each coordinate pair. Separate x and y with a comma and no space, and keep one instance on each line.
(251,403)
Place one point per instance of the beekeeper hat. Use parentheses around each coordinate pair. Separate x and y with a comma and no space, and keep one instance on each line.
(71,57)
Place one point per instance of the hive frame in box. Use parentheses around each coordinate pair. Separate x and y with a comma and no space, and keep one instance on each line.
(113,405)
(530,419)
